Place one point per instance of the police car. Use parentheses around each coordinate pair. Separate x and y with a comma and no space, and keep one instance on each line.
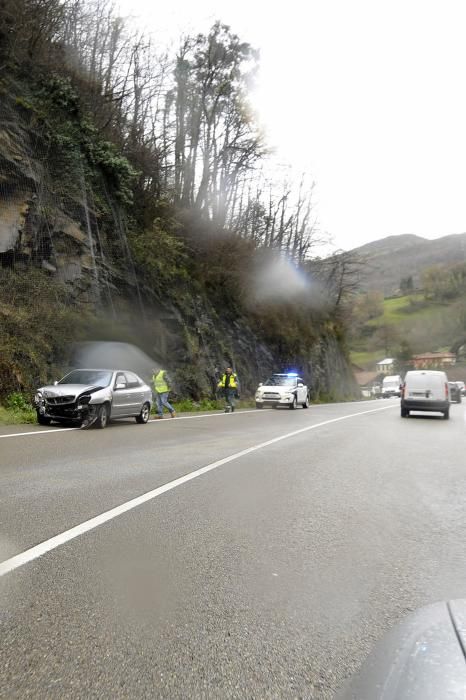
(283,390)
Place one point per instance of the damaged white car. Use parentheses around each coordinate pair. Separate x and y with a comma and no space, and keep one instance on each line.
(92,397)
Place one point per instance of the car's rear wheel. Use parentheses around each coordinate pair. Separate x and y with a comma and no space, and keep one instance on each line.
(43,420)
(144,416)
(102,416)
(294,404)
(306,403)
(259,405)
(446,414)
(404,413)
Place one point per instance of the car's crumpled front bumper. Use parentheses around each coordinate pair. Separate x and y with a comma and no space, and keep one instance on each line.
(72,410)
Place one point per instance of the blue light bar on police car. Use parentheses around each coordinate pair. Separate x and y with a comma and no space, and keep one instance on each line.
(292,374)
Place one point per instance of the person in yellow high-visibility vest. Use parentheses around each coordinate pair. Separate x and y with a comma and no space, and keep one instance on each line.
(161,384)
(229,384)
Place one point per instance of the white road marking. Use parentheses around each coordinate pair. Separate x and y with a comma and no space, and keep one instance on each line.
(48,545)
(52,431)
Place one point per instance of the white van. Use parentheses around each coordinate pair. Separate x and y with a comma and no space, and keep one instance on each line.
(391,386)
(425,390)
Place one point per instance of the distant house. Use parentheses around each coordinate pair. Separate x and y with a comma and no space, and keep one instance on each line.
(385,366)
(433,360)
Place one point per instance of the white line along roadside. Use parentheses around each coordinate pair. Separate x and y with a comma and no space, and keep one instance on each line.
(154,421)
(37,551)
(52,431)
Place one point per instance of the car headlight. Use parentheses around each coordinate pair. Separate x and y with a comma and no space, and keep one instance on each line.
(38,398)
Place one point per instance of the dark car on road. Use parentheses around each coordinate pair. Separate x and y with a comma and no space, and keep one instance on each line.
(455,392)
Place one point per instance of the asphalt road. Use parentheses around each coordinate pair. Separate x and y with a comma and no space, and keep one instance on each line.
(270,574)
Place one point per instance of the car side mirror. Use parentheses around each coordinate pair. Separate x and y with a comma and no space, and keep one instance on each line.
(55,382)
(260,383)
(300,384)
(120,385)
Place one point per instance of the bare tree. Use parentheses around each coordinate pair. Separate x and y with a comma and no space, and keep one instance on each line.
(185,123)
(340,274)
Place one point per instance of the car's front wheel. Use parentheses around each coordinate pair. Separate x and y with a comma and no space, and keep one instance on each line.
(144,416)
(102,416)
(294,404)
(259,405)
(306,403)
(97,417)
(43,420)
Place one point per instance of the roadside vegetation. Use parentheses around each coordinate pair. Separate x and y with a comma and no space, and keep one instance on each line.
(37,326)
(17,409)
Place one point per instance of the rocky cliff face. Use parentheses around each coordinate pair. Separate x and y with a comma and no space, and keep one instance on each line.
(61,216)
(35,226)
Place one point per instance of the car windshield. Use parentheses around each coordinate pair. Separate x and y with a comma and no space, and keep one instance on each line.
(280,380)
(88,376)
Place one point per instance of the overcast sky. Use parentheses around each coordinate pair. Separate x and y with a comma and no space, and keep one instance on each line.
(366,96)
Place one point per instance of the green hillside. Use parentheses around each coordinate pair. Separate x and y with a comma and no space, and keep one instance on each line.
(425,325)
(406,308)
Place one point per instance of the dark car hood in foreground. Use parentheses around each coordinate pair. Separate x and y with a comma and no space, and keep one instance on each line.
(422,658)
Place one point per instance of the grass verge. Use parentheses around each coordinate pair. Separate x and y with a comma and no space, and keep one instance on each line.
(9,416)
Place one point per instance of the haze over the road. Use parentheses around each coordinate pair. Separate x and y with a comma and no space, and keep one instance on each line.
(269,575)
